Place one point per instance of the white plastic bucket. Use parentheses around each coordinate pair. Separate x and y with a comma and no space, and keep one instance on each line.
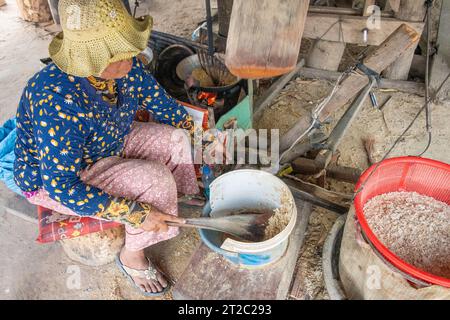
(249,189)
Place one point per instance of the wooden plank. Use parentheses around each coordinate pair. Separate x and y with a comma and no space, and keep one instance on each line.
(326,27)
(210,277)
(308,196)
(398,42)
(311,167)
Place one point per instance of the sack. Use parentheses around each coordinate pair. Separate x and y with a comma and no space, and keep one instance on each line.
(54,226)
(365,276)
(8,138)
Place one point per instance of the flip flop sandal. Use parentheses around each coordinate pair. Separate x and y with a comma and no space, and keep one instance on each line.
(149,274)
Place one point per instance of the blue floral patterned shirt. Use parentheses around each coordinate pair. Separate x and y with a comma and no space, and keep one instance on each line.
(63,125)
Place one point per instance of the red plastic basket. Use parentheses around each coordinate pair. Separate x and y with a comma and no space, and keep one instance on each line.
(424,176)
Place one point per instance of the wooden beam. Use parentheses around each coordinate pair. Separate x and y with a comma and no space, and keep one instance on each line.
(326,27)
(311,167)
(409,10)
(398,42)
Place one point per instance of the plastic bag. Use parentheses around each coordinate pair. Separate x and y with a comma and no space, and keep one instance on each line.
(8,138)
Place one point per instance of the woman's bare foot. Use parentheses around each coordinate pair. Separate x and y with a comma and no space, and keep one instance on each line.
(137,260)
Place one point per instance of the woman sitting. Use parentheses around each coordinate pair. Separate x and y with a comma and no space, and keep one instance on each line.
(78,150)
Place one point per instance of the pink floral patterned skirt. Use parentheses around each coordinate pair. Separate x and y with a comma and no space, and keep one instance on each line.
(156,165)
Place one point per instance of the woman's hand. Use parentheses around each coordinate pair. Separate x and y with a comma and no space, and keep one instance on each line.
(156,221)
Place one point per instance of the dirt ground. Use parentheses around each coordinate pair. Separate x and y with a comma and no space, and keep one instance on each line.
(22,44)
(382,127)
(31,271)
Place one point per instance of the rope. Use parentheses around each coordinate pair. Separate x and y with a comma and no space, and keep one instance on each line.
(321,106)
(316,113)
(426,106)
(136,5)
(429,3)
(399,138)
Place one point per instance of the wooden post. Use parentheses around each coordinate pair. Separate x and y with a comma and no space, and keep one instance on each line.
(439,83)
(409,10)
(367,4)
(224,12)
(224,8)
(325,55)
(392,5)
(54,10)
(403,39)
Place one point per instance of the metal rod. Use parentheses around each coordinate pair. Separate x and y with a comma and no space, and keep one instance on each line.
(250,96)
(209,27)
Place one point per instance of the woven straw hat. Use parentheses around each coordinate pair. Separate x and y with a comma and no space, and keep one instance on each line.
(95,34)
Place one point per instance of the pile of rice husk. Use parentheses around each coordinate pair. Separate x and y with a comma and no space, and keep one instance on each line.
(414,227)
(280,218)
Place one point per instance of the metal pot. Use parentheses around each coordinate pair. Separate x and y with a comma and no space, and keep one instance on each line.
(189,64)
